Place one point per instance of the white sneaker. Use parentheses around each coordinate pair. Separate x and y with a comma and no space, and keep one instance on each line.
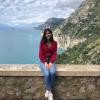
(50,96)
(46,93)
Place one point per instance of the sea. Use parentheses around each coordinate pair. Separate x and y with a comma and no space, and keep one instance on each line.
(20,46)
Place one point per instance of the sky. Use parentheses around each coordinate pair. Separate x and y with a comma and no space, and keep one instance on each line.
(33,11)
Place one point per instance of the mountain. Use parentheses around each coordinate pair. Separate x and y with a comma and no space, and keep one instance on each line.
(79,35)
(51,23)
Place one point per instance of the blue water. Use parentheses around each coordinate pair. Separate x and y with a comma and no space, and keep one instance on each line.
(19,46)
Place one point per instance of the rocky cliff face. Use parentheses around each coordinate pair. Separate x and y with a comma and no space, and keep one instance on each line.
(82,29)
(51,23)
(67,32)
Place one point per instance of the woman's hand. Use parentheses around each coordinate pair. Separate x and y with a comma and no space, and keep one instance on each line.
(50,64)
(46,65)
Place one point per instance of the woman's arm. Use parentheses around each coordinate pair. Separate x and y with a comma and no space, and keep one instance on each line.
(53,57)
(41,54)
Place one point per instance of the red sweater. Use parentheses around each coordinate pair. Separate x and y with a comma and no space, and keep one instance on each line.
(45,50)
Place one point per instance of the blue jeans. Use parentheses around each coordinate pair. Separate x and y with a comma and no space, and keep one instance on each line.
(49,75)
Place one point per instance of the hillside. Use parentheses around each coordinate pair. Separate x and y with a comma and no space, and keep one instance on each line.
(80,35)
(51,23)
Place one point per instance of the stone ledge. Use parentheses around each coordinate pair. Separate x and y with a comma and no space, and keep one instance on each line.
(62,70)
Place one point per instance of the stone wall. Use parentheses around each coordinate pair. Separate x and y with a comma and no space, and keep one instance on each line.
(66,88)
(68,85)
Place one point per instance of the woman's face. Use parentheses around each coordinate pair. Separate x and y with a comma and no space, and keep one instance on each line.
(48,35)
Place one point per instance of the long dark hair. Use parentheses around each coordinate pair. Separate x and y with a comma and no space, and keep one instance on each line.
(44,39)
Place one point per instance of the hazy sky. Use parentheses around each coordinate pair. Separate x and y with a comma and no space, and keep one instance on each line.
(29,11)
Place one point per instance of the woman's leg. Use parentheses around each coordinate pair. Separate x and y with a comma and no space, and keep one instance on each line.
(52,74)
(46,74)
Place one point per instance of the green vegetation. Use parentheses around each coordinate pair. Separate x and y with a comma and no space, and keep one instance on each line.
(87,52)
(82,53)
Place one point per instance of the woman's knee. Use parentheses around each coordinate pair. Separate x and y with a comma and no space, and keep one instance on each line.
(46,73)
(53,69)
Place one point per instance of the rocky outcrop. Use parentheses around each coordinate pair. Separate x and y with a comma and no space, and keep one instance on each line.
(82,31)
(67,30)
(51,23)
(65,41)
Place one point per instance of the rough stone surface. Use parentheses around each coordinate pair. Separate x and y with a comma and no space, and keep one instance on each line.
(62,70)
(66,88)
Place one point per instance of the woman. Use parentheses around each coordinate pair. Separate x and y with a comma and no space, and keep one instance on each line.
(47,56)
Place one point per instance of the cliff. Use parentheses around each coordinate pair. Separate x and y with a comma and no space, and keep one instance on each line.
(80,35)
(51,23)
